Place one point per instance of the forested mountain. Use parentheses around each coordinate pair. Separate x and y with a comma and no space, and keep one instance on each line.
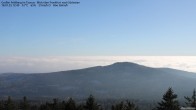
(119,80)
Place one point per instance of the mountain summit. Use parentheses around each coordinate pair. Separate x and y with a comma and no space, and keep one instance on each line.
(119,80)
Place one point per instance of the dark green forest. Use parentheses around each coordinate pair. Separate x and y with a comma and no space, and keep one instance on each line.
(169,101)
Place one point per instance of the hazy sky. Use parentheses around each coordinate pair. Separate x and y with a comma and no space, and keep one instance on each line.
(100,27)
(62,63)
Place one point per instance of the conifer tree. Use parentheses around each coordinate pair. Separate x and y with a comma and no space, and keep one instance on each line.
(125,106)
(191,101)
(131,106)
(91,104)
(9,104)
(24,105)
(2,105)
(169,101)
(80,107)
(55,105)
(70,105)
(119,106)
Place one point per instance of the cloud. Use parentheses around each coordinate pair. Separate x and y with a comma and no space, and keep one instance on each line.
(62,63)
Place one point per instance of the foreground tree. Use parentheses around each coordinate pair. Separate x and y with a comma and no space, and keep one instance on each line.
(131,106)
(2,105)
(9,104)
(169,101)
(91,104)
(119,106)
(191,102)
(24,105)
(70,105)
(125,106)
(55,104)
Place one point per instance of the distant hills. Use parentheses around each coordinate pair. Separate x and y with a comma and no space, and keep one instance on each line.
(119,80)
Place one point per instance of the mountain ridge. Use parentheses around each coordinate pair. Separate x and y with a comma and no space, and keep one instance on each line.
(117,63)
(119,80)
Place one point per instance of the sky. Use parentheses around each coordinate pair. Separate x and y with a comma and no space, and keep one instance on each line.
(98,28)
